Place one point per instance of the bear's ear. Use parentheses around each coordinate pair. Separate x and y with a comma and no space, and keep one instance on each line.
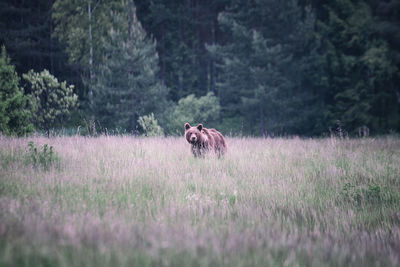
(200,127)
(187,126)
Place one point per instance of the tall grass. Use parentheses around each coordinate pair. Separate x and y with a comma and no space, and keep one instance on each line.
(128,201)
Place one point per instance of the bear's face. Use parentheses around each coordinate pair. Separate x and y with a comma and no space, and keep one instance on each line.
(193,134)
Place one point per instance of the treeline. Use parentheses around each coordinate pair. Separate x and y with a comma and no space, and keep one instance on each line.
(262,67)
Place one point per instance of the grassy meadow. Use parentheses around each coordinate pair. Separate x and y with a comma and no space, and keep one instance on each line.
(126,201)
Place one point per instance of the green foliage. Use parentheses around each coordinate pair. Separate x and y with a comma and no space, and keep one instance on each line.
(126,85)
(277,67)
(361,194)
(26,30)
(263,64)
(149,125)
(357,68)
(51,101)
(72,25)
(14,115)
(44,158)
(182,30)
(232,199)
(205,109)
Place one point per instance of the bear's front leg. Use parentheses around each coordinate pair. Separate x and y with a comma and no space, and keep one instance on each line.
(195,151)
(198,151)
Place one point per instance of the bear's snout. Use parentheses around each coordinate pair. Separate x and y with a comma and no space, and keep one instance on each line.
(193,138)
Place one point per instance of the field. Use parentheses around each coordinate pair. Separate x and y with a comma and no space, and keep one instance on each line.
(126,201)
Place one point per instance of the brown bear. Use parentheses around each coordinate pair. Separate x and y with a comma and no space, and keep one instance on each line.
(204,140)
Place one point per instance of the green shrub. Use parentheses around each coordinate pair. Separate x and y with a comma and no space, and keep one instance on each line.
(362,194)
(44,158)
(149,125)
(192,109)
(51,101)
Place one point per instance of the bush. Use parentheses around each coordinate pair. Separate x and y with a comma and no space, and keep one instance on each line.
(205,109)
(150,126)
(362,194)
(51,101)
(44,158)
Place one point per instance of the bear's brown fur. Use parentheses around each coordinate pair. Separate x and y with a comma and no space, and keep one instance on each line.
(203,140)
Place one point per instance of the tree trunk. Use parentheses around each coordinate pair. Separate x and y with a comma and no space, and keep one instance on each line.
(262,126)
(212,63)
(90,56)
(133,124)
(51,44)
(163,66)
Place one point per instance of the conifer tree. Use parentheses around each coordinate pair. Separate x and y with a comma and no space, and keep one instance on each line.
(126,84)
(357,68)
(14,115)
(262,65)
(182,30)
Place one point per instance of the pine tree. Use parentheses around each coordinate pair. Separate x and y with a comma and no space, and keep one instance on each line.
(182,30)
(262,64)
(357,68)
(127,85)
(26,33)
(383,61)
(14,115)
(26,30)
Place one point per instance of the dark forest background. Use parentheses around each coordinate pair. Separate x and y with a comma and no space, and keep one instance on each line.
(258,67)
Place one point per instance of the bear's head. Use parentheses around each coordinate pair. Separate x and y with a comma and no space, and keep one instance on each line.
(193,134)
